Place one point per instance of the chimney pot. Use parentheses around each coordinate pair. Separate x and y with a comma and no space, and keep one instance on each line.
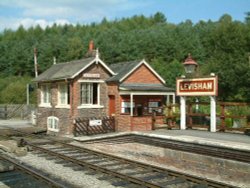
(91,46)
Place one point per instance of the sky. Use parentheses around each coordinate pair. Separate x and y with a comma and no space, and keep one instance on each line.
(14,13)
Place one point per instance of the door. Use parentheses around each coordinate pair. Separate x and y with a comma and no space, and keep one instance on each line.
(111,105)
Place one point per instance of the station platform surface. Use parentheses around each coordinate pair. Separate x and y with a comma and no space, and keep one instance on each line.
(222,139)
(237,141)
(15,123)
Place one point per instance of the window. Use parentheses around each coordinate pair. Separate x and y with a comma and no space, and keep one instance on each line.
(125,107)
(52,123)
(154,105)
(45,95)
(63,94)
(89,94)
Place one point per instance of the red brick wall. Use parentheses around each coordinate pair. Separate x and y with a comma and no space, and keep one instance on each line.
(141,123)
(123,123)
(142,75)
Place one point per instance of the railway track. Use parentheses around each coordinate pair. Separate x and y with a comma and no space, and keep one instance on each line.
(220,152)
(23,176)
(126,172)
(120,171)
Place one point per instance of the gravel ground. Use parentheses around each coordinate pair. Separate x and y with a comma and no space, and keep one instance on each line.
(77,178)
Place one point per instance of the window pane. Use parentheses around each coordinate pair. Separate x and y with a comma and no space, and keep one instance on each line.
(45,94)
(126,107)
(85,91)
(89,93)
(68,93)
(95,93)
(63,94)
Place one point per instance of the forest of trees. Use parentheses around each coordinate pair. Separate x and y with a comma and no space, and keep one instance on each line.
(221,47)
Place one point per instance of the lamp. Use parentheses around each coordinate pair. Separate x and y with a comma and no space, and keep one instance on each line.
(190,65)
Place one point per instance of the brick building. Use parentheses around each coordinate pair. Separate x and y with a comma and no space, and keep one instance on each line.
(130,91)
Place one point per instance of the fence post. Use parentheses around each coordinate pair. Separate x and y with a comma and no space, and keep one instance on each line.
(74,127)
(105,120)
(5,112)
(88,126)
(153,119)
(170,117)
(190,120)
(113,123)
(222,117)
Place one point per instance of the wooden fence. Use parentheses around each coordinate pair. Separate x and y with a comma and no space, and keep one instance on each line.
(91,126)
(230,116)
(8,111)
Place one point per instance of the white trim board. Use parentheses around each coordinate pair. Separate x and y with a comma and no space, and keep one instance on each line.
(96,60)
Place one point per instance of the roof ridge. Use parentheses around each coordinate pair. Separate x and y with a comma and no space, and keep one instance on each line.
(134,61)
(62,63)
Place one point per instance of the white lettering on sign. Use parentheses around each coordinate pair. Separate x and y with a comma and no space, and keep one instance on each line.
(95,122)
(197,87)
(90,75)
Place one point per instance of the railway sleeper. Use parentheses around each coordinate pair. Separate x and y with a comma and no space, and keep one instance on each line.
(153,177)
(121,183)
(176,180)
(10,174)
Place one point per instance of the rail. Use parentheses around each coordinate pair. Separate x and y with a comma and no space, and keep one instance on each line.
(43,180)
(135,172)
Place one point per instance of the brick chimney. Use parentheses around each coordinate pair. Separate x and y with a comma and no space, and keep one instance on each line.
(91,51)
(91,46)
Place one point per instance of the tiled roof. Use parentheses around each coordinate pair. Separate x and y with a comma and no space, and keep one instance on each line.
(144,87)
(63,70)
(121,69)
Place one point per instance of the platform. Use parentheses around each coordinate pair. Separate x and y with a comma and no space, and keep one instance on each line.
(221,139)
(22,125)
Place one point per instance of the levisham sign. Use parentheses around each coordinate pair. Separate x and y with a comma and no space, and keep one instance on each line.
(197,87)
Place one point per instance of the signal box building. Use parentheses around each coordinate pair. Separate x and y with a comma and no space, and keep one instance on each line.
(129,91)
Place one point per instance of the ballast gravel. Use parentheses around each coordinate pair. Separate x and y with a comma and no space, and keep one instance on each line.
(76,178)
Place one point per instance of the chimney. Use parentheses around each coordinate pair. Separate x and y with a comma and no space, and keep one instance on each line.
(91,46)
(91,51)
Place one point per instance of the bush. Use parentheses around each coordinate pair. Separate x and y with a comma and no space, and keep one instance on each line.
(13,90)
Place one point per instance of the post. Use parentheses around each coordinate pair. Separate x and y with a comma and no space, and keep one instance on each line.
(173,103)
(35,62)
(5,112)
(153,119)
(190,119)
(27,95)
(183,112)
(222,117)
(131,104)
(212,114)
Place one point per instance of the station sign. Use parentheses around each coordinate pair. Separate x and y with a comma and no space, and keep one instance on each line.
(95,122)
(197,86)
(91,75)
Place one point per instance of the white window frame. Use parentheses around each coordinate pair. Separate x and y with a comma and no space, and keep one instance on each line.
(91,105)
(59,103)
(45,90)
(126,104)
(53,124)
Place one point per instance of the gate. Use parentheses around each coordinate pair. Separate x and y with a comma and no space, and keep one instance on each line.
(92,126)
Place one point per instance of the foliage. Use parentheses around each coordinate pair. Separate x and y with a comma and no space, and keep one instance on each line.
(221,47)
(13,90)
